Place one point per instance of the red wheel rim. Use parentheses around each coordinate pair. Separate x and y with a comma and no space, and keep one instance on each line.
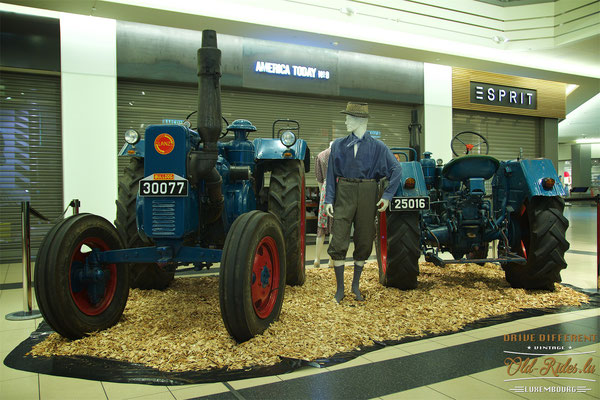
(524,223)
(383,240)
(82,297)
(523,250)
(302,225)
(265,277)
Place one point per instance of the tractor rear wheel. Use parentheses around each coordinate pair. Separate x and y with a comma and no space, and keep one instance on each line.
(76,294)
(397,245)
(252,275)
(142,275)
(539,236)
(286,201)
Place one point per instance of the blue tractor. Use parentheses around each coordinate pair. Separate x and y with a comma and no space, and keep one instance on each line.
(188,196)
(447,208)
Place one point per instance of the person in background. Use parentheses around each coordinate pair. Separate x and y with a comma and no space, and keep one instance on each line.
(323,220)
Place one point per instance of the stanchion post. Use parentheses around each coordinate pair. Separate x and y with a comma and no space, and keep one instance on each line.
(28,311)
(76,204)
(26,256)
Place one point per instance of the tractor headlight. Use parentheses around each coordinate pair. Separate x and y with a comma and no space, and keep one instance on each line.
(288,138)
(131,136)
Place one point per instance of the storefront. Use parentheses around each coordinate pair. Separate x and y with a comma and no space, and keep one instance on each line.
(263,81)
(518,116)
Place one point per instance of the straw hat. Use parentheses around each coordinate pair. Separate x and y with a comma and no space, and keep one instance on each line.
(357,109)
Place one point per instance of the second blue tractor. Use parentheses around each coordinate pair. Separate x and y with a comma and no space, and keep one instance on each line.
(448,208)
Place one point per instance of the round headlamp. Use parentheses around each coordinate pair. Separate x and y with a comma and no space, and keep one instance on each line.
(288,138)
(131,136)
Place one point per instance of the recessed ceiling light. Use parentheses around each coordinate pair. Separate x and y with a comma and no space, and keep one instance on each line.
(347,10)
(499,39)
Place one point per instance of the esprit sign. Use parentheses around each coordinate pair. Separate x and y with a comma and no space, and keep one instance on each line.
(498,95)
(290,70)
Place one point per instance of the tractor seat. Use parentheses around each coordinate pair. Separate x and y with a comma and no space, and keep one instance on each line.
(473,166)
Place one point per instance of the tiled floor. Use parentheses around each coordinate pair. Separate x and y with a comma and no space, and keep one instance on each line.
(465,365)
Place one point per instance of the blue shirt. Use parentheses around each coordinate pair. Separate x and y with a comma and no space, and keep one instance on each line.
(374,160)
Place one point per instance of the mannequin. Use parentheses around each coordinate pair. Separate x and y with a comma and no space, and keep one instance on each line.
(324,221)
(356,163)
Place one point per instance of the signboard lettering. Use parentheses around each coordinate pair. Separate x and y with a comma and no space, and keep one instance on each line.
(290,70)
(498,95)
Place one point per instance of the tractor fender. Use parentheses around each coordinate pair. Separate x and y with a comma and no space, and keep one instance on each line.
(273,149)
(528,175)
(412,169)
(133,150)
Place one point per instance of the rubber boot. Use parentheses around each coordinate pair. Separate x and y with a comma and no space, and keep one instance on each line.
(355,282)
(339,279)
(318,250)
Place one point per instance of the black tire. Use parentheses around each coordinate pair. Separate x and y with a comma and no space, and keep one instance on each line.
(73,306)
(539,236)
(247,307)
(286,202)
(480,254)
(397,245)
(142,275)
(39,277)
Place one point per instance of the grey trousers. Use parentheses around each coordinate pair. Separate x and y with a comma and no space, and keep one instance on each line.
(355,203)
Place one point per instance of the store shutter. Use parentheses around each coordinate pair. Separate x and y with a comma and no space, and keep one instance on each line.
(320,118)
(30,157)
(506,134)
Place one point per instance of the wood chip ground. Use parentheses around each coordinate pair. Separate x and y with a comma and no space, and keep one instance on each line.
(180,329)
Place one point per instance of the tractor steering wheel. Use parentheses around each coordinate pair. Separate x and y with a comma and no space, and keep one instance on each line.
(225,131)
(221,135)
(469,141)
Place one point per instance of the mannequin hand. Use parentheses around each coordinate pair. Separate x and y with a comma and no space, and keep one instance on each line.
(329,209)
(382,205)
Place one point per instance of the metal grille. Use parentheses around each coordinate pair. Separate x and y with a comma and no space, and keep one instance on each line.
(163,217)
(30,157)
(320,118)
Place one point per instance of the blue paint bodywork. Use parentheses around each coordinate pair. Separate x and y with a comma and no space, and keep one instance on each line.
(273,149)
(461,219)
(169,221)
(412,169)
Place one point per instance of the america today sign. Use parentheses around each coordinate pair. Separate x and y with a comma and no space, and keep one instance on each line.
(499,95)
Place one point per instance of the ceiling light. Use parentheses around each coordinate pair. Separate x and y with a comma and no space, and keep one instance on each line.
(347,10)
(570,88)
(335,43)
(499,39)
(587,140)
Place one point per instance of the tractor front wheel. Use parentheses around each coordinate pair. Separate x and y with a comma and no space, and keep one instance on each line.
(286,201)
(252,275)
(397,246)
(539,237)
(77,294)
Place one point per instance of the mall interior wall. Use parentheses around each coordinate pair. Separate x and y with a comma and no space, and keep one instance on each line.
(89,112)
(437,121)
